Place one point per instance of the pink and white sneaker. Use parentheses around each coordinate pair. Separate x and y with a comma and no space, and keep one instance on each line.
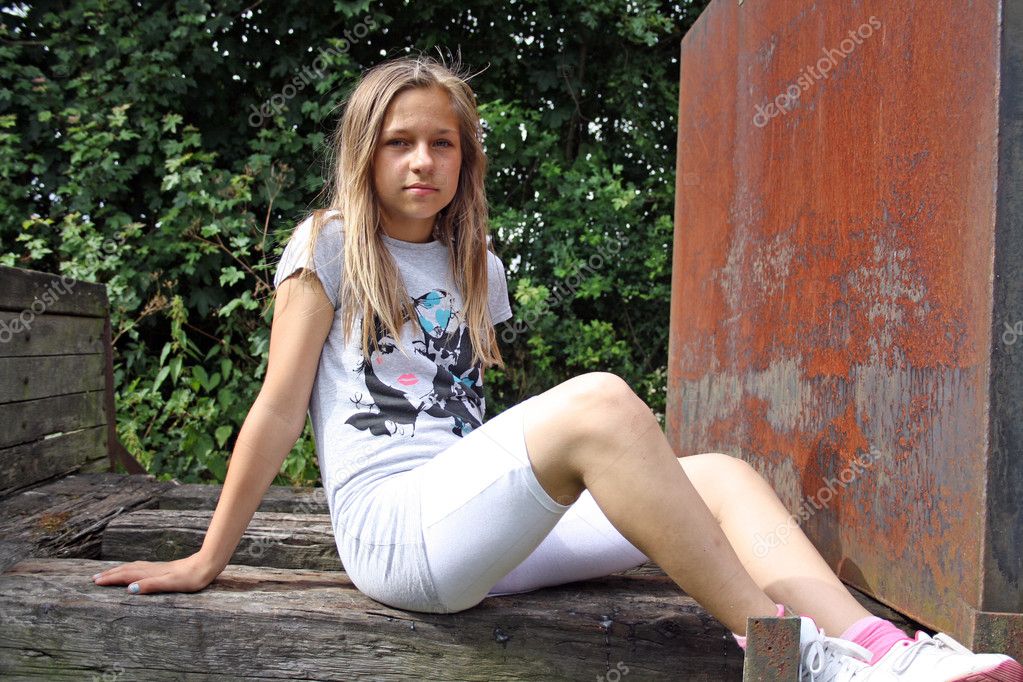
(830,659)
(942,659)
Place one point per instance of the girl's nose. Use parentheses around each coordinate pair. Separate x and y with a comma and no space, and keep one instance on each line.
(421,158)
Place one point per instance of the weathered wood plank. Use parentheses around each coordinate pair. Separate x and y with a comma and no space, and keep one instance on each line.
(67,518)
(278,498)
(253,623)
(32,294)
(29,463)
(50,335)
(275,539)
(13,552)
(33,377)
(95,466)
(78,485)
(649,568)
(27,421)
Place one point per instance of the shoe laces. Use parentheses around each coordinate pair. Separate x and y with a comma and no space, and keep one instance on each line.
(824,658)
(940,643)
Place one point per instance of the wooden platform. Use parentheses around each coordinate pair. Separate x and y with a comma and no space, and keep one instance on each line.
(277,618)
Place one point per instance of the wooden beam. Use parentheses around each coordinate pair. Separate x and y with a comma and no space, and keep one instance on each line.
(67,518)
(268,624)
(31,420)
(278,498)
(31,294)
(32,377)
(30,463)
(50,334)
(280,540)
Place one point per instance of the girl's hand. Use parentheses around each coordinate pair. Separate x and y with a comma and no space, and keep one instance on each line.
(190,574)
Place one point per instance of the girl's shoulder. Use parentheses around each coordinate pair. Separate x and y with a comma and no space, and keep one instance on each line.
(331,223)
(494,261)
(329,236)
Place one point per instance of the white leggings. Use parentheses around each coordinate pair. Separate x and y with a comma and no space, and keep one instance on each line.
(479,523)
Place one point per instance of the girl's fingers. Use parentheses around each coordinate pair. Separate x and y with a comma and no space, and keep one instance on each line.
(122,572)
(156,583)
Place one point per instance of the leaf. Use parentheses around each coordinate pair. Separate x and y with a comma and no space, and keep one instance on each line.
(230,275)
(218,467)
(175,366)
(200,375)
(160,378)
(222,434)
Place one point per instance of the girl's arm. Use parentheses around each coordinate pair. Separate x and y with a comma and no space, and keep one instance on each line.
(301,322)
(302,319)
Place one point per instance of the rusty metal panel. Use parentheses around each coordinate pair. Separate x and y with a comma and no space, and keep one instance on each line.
(772,650)
(847,286)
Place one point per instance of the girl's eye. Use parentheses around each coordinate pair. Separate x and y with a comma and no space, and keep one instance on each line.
(396,142)
(446,143)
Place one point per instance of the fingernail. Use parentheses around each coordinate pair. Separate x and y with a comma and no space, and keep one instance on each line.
(95,576)
(133,588)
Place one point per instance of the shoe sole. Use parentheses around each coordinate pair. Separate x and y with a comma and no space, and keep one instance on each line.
(1006,671)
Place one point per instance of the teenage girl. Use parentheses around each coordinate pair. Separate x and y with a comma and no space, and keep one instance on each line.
(433,508)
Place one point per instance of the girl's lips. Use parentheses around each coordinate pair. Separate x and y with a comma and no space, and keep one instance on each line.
(420,191)
(408,379)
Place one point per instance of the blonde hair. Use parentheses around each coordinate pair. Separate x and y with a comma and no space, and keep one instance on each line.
(370,283)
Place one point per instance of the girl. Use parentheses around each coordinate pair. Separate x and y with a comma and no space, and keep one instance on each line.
(433,508)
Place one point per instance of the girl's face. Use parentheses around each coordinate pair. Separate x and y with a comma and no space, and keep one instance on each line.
(416,162)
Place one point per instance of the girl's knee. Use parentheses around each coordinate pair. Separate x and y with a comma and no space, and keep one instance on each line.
(604,402)
(727,467)
(719,478)
(593,383)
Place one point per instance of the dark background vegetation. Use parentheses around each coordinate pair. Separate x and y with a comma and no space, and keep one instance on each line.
(130,155)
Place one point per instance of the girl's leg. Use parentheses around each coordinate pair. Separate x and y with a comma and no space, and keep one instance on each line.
(592,432)
(583,545)
(792,572)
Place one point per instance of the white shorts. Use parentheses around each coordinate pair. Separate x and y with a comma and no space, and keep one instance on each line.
(474,521)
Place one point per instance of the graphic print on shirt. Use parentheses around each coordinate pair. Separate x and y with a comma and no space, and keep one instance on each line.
(453,390)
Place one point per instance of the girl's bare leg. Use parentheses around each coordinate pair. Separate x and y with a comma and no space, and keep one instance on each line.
(697,517)
(791,571)
(592,432)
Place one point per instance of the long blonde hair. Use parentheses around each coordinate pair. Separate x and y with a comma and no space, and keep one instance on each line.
(371,284)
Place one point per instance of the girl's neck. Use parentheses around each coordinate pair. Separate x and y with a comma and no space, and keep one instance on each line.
(418,233)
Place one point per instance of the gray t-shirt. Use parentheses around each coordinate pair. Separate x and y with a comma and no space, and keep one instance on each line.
(373,420)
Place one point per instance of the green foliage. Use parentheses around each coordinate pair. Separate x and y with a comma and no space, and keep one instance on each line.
(167,150)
